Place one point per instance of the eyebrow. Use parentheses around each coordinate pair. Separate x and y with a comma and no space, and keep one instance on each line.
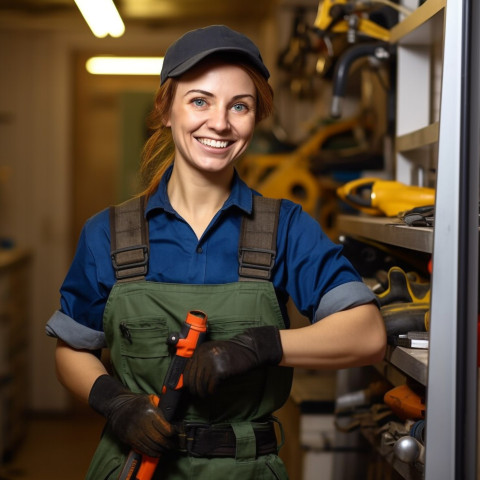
(209,94)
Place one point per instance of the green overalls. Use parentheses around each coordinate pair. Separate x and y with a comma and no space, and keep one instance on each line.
(229,434)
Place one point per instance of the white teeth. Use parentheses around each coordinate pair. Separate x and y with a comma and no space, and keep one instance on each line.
(213,143)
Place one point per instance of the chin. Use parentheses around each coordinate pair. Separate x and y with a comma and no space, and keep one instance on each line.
(217,167)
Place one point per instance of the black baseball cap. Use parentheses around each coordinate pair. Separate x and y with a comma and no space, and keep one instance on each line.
(194,46)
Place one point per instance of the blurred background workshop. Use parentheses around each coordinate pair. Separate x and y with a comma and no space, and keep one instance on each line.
(375,133)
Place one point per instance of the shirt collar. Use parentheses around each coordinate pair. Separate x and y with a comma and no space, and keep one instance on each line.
(240,195)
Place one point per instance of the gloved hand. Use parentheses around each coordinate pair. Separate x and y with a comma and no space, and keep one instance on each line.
(218,360)
(133,417)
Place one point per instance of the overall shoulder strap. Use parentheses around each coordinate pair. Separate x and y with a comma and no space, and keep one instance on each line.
(258,240)
(129,247)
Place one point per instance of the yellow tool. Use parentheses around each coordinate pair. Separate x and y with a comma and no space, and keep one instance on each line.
(404,287)
(288,175)
(405,303)
(341,16)
(385,197)
(401,318)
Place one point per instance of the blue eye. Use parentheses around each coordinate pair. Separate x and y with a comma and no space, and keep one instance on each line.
(239,107)
(199,102)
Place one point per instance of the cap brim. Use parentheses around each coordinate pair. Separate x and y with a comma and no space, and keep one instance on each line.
(191,62)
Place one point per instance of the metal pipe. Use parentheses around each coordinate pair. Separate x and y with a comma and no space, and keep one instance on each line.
(377,50)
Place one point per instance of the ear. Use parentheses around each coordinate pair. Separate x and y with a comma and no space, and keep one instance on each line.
(166,121)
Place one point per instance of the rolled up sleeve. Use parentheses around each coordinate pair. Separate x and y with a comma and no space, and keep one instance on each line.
(76,335)
(342,297)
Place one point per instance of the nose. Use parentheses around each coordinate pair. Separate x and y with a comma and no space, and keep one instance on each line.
(218,120)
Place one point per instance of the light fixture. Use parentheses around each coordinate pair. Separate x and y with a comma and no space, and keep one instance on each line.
(110,65)
(102,17)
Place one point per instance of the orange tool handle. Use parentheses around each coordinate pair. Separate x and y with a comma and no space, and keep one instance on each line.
(138,466)
(194,329)
(148,464)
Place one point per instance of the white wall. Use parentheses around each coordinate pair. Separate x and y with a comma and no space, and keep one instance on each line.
(34,146)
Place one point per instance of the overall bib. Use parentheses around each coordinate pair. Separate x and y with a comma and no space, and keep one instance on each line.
(138,318)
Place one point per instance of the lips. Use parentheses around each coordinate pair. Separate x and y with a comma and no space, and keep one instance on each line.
(210,142)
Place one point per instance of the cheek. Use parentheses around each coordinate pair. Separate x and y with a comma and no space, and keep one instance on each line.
(185,121)
(248,129)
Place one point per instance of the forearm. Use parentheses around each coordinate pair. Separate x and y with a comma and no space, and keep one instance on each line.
(132,417)
(349,338)
(77,370)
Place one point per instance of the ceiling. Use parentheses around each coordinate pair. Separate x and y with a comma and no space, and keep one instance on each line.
(150,13)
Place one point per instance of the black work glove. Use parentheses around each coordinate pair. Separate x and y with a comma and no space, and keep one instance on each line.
(218,360)
(132,417)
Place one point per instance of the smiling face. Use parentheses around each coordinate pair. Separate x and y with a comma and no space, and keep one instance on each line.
(212,118)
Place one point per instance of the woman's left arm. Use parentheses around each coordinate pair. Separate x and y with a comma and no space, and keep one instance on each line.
(353,337)
(344,339)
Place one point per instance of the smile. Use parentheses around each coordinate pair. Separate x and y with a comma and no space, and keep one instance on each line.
(214,143)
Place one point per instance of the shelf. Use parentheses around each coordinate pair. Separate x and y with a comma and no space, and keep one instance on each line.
(411,361)
(418,138)
(414,29)
(387,230)
(401,363)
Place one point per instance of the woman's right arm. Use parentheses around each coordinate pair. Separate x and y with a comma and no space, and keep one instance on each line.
(133,417)
(77,370)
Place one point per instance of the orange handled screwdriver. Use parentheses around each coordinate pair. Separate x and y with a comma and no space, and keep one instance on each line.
(142,467)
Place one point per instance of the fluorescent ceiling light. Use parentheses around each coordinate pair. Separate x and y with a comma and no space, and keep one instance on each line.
(124,65)
(102,17)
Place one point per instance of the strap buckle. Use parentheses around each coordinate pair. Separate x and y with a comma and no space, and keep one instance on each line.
(258,264)
(130,258)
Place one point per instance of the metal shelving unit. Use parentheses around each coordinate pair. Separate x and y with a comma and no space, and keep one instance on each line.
(438,126)
(416,28)
(451,447)
(419,138)
(419,41)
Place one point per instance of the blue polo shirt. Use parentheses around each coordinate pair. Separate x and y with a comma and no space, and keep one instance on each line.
(309,267)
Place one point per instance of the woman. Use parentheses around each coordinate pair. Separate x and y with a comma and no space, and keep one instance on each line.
(214,90)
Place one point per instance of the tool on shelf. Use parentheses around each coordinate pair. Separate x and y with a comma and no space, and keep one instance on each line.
(352,401)
(405,403)
(404,287)
(355,18)
(375,196)
(413,339)
(404,305)
(420,216)
(290,175)
(409,450)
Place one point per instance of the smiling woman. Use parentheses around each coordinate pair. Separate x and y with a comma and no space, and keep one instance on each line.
(199,238)
(159,149)
(208,109)
(212,119)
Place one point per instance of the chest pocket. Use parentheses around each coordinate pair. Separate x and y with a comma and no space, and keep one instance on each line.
(143,347)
